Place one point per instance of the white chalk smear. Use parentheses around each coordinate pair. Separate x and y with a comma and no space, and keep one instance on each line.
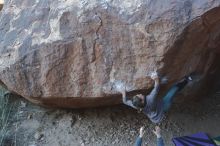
(119,86)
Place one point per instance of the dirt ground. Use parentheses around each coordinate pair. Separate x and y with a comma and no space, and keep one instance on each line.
(31,125)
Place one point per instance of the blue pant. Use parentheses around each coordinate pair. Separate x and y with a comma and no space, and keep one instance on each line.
(168,98)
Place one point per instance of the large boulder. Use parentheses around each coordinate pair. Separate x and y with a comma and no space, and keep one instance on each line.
(75,53)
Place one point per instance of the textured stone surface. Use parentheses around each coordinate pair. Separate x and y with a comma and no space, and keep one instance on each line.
(72,53)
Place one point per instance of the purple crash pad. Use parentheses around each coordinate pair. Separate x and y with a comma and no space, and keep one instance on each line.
(198,139)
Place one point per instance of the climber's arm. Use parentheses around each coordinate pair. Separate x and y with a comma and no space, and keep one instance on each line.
(126,100)
(151,97)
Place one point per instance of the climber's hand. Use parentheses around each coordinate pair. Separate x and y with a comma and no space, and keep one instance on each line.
(157,131)
(154,75)
(142,132)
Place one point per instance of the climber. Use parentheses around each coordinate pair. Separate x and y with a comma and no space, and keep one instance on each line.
(149,105)
(157,132)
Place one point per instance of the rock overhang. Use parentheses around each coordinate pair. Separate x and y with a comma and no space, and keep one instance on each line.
(76,51)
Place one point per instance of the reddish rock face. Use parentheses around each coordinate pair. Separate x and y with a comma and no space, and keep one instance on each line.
(73,53)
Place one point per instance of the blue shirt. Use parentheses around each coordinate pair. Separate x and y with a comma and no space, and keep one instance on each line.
(153,109)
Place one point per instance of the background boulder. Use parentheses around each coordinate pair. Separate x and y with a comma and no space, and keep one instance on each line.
(74,53)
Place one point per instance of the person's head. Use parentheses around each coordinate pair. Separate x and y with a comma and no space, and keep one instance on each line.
(138,101)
